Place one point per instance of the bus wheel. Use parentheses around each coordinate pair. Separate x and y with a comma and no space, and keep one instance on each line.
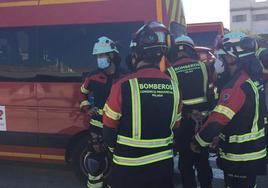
(80,156)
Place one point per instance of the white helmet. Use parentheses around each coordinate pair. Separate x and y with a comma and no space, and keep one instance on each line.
(184,40)
(237,44)
(104,45)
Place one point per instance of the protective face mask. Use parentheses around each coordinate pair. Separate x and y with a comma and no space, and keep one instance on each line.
(219,66)
(103,63)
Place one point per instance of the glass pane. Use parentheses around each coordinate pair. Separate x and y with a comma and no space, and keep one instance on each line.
(17,53)
(204,38)
(67,50)
(57,53)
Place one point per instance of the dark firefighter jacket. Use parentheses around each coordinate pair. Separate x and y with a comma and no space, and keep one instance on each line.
(239,119)
(143,108)
(194,83)
(94,92)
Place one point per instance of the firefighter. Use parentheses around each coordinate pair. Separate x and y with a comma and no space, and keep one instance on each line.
(239,117)
(94,92)
(193,78)
(139,116)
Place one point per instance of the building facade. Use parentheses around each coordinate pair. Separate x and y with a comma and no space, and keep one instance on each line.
(249,15)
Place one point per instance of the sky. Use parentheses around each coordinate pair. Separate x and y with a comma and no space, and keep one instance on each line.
(198,11)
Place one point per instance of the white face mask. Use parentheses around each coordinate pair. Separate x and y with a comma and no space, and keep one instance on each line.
(103,63)
(219,66)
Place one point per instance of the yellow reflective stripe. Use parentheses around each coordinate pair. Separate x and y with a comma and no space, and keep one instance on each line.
(195,101)
(256,117)
(144,159)
(247,137)
(229,113)
(111,149)
(136,110)
(176,99)
(201,141)
(95,185)
(94,178)
(152,143)
(259,51)
(173,75)
(100,112)
(110,113)
(205,77)
(243,157)
(179,116)
(84,90)
(84,103)
(96,123)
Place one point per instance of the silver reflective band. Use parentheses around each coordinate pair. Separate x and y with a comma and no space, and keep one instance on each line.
(153,143)
(247,137)
(126,161)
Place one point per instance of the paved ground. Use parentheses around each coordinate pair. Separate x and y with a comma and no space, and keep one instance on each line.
(25,175)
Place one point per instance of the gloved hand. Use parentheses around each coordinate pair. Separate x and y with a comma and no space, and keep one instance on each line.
(92,111)
(96,141)
(214,143)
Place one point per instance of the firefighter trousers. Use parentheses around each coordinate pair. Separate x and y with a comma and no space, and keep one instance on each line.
(239,181)
(190,161)
(154,175)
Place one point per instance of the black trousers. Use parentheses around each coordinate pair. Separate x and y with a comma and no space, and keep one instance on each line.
(155,175)
(239,181)
(190,161)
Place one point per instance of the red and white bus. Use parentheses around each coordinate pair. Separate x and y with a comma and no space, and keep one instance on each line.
(45,47)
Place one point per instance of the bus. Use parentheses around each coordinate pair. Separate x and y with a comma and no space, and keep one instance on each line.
(205,34)
(45,48)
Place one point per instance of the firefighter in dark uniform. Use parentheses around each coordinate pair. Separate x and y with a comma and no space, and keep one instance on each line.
(140,114)
(193,78)
(94,92)
(239,117)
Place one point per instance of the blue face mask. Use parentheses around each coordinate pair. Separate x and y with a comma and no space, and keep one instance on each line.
(103,63)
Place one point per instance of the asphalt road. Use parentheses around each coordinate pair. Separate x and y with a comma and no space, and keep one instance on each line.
(25,175)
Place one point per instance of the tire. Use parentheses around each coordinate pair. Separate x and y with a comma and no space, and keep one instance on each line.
(80,154)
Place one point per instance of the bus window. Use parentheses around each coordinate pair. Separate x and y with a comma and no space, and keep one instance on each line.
(67,50)
(17,52)
(204,38)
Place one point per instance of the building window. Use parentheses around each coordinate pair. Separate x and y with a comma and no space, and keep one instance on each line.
(260,17)
(239,18)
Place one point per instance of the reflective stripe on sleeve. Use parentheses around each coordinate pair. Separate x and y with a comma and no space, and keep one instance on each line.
(201,141)
(84,90)
(228,112)
(84,103)
(110,113)
(96,123)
